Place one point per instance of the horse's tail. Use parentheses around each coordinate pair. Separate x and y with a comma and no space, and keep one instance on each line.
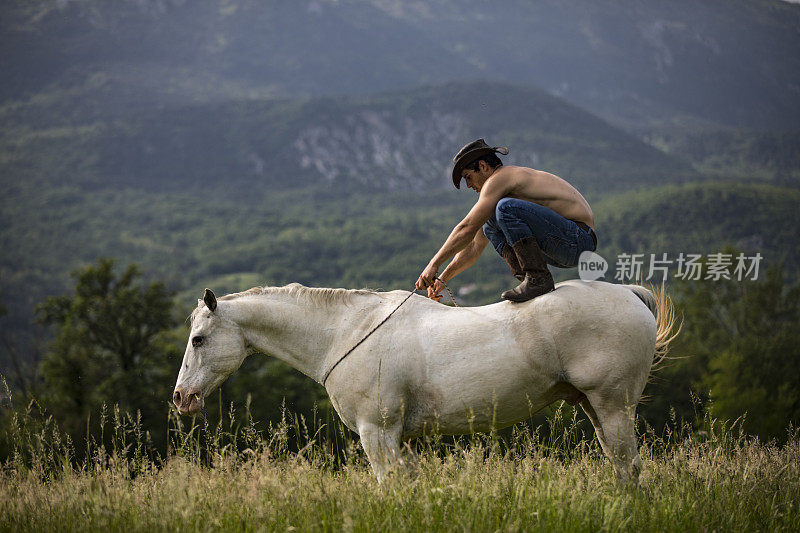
(660,304)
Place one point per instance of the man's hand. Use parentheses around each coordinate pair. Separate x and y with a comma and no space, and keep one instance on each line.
(427,277)
(434,291)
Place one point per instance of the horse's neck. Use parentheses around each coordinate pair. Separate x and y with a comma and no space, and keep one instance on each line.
(297,330)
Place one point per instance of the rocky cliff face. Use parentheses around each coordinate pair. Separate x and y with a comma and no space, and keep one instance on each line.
(372,147)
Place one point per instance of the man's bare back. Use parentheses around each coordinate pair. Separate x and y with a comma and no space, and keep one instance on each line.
(546,189)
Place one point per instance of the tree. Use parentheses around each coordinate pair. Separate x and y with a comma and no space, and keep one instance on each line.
(755,372)
(110,347)
(20,371)
(742,341)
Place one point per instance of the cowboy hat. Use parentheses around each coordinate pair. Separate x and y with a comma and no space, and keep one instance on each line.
(470,153)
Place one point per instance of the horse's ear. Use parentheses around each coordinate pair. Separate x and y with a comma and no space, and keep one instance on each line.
(210,300)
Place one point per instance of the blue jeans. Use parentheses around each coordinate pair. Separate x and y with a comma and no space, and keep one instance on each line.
(561,239)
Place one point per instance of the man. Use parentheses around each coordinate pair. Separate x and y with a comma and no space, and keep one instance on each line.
(532,218)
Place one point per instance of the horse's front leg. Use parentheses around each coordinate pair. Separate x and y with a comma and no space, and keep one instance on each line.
(382,445)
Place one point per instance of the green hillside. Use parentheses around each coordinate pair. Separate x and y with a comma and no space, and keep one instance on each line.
(395,141)
(701,219)
(726,153)
(366,240)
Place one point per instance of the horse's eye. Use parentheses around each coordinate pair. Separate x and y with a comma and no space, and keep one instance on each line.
(197,341)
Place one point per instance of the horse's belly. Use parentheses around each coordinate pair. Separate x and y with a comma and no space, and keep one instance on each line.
(490,382)
(479,408)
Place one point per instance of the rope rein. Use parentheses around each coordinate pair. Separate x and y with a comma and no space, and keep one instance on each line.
(452,298)
(382,322)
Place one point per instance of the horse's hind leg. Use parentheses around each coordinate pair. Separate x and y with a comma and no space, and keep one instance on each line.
(616,420)
(382,445)
(598,429)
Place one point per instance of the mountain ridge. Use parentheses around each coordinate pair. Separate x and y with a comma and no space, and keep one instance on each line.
(729,62)
(406,138)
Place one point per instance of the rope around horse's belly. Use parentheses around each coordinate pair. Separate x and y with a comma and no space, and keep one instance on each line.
(382,322)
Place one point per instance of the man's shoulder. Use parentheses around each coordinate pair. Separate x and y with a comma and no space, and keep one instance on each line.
(513,175)
(516,170)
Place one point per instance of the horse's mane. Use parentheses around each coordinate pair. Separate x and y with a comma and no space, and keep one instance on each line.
(317,295)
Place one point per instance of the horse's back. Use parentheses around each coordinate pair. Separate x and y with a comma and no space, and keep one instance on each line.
(577,318)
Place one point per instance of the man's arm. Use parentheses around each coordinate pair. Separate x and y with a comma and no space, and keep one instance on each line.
(465,231)
(462,261)
(466,257)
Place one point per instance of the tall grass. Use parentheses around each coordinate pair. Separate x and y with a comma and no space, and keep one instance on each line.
(312,475)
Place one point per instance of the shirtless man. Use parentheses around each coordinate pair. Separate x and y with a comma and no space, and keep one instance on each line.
(532,218)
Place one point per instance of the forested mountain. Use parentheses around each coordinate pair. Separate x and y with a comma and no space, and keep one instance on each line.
(395,141)
(704,217)
(734,62)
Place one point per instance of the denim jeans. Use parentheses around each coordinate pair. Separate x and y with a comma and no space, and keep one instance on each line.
(561,239)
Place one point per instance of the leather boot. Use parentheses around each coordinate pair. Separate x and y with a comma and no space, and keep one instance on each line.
(538,279)
(513,263)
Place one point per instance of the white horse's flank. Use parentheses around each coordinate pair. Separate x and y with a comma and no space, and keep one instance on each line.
(437,368)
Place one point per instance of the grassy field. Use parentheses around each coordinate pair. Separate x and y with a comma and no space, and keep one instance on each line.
(550,478)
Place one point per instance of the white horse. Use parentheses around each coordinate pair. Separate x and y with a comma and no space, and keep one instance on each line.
(434,368)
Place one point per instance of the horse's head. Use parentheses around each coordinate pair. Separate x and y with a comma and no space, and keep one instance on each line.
(216,348)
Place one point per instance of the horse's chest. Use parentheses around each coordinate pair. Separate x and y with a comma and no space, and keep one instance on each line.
(346,413)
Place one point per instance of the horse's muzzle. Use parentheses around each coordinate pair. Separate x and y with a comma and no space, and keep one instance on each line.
(188,401)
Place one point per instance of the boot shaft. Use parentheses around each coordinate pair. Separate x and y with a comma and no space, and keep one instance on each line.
(513,263)
(532,262)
